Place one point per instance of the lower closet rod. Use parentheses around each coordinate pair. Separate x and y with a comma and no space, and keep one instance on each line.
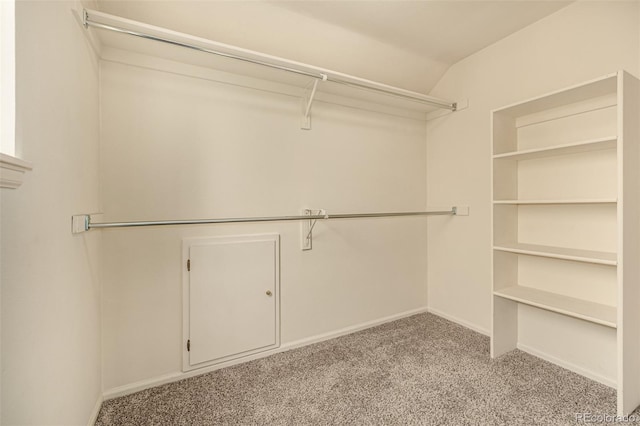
(89,225)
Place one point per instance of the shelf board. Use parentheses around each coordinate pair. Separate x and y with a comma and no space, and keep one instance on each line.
(566,201)
(577,308)
(115,32)
(556,150)
(587,256)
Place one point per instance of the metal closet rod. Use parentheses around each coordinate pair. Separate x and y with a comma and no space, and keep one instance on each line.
(172,37)
(90,225)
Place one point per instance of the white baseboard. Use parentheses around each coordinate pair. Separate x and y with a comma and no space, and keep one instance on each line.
(95,411)
(568,365)
(462,322)
(173,377)
(348,330)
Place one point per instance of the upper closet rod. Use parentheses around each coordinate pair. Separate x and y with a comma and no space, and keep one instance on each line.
(105,21)
(83,223)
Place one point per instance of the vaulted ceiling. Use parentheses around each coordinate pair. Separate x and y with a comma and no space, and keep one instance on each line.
(409,44)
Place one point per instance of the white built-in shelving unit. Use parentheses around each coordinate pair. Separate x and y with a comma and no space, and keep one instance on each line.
(566,222)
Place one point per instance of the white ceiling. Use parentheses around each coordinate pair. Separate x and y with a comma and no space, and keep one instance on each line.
(409,44)
(442,30)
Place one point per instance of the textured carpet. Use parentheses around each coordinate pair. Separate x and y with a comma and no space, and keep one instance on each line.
(419,370)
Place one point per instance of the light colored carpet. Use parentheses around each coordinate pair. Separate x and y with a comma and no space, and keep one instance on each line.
(419,370)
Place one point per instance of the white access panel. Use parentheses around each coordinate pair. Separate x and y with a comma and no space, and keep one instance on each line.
(231,298)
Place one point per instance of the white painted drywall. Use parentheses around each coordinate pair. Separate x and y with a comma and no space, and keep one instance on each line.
(51,333)
(176,147)
(583,41)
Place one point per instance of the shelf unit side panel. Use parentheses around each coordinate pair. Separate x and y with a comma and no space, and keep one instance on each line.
(504,135)
(504,326)
(505,224)
(505,270)
(629,245)
(505,179)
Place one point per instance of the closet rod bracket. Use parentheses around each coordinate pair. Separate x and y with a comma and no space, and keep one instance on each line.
(80,223)
(307,102)
(306,226)
(85,19)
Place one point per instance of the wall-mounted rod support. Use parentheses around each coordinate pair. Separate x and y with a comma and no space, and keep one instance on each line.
(114,23)
(86,219)
(310,102)
(307,227)
(313,224)
(307,102)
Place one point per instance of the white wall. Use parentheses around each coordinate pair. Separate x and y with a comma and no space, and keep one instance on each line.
(176,147)
(583,41)
(51,333)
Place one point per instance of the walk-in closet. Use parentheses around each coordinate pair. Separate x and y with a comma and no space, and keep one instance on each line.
(319,212)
